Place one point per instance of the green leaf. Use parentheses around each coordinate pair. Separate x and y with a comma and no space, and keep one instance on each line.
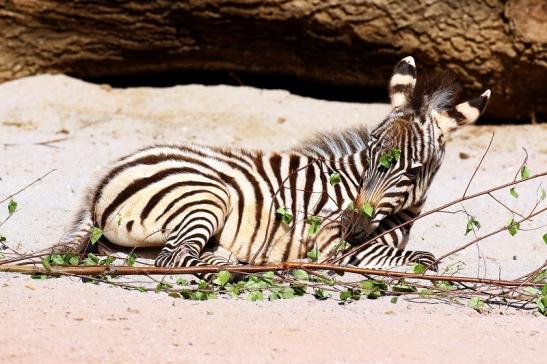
(56,259)
(345,295)
(12,206)
(287,293)
(532,291)
(39,277)
(285,215)
(91,259)
(396,153)
(222,278)
(544,290)
(95,234)
(445,286)
(543,194)
(175,295)
(514,192)
(2,238)
(476,303)
(542,305)
(107,261)
(131,259)
(202,284)
(2,256)
(234,291)
(300,274)
(394,299)
(513,227)
(162,286)
(268,275)
(540,276)
(315,223)
(418,268)
(341,246)
(182,282)
(255,296)
(424,292)
(334,178)
(545,238)
(320,294)
(313,254)
(71,259)
(367,209)
(390,157)
(524,172)
(385,160)
(45,263)
(402,286)
(472,223)
(371,289)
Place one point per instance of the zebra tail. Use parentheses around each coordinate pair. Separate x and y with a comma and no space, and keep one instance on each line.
(77,240)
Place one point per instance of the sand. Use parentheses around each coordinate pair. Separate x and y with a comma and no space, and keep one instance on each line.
(56,122)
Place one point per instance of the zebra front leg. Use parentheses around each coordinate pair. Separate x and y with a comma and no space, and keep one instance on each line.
(185,249)
(378,255)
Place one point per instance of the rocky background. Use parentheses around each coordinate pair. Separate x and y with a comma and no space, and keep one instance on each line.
(488,43)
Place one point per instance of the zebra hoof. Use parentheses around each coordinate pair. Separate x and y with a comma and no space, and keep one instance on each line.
(427,259)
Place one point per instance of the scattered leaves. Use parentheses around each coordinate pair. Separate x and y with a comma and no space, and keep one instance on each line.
(12,206)
(334,178)
(367,209)
(131,259)
(301,274)
(472,223)
(524,172)
(285,215)
(513,192)
(95,234)
(222,278)
(390,157)
(418,268)
(513,227)
(476,303)
(315,223)
(313,254)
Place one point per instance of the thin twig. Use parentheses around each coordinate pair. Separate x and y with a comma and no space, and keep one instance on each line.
(27,186)
(125,270)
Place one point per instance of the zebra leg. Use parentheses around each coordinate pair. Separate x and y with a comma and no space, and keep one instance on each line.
(379,255)
(184,248)
(214,258)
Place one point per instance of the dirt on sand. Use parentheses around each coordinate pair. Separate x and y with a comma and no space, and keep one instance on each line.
(56,122)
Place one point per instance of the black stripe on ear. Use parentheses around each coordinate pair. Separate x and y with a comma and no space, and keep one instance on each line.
(406,66)
(480,102)
(456,115)
(399,88)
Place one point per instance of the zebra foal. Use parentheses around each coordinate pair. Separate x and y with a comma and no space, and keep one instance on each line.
(207,205)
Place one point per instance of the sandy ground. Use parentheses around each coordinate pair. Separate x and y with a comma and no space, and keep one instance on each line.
(84,126)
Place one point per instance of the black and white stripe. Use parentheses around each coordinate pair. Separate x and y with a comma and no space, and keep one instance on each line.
(192,200)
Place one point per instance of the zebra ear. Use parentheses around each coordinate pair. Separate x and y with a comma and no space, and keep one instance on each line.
(461,114)
(402,82)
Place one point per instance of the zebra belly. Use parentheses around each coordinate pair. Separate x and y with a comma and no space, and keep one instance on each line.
(126,229)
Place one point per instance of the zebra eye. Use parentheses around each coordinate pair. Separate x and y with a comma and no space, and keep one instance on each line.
(413,171)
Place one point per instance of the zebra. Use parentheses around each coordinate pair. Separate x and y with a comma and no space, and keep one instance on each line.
(205,205)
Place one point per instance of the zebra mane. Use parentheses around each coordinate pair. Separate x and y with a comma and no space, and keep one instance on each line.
(337,143)
(438,91)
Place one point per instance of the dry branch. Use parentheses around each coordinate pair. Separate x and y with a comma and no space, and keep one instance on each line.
(125,270)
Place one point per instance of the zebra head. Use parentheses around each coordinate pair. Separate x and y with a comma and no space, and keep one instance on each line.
(407,148)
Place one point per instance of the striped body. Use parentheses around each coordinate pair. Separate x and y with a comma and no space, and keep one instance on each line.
(207,205)
(156,191)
